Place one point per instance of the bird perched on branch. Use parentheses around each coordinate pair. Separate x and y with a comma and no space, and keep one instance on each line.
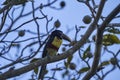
(53,44)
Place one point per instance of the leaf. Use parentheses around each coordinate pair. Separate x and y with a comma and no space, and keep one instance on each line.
(66,64)
(85,69)
(102,65)
(15,45)
(36,70)
(109,39)
(34,60)
(105,63)
(82,27)
(100,68)
(114,30)
(86,52)
(69,59)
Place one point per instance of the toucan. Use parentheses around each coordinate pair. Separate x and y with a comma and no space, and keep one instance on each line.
(53,44)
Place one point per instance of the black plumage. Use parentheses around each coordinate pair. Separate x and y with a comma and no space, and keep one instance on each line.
(51,48)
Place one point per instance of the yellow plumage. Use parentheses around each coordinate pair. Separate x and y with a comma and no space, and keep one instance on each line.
(57,42)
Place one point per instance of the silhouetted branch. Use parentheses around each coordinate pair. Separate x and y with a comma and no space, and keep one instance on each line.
(92,71)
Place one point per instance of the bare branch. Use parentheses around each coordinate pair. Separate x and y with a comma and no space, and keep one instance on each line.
(99,42)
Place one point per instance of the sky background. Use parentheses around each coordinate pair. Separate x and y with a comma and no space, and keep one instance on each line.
(70,16)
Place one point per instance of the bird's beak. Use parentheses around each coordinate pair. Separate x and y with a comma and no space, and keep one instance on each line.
(65,37)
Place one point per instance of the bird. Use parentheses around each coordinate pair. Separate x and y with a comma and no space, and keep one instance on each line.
(52,45)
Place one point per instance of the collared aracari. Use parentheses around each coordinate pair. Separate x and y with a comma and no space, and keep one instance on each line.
(53,44)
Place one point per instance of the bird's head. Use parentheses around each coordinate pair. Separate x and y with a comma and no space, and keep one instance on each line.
(60,35)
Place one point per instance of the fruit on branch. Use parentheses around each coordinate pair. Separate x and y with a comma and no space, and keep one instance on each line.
(87,19)
(62,4)
(57,24)
(21,33)
(72,66)
(113,61)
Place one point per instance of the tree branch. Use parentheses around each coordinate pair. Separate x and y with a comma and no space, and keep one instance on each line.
(44,61)
(5,8)
(51,59)
(93,69)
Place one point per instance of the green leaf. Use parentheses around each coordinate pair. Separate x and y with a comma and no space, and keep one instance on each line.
(86,52)
(66,64)
(35,69)
(15,45)
(33,60)
(82,27)
(114,30)
(69,59)
(109,39)
(102,65)
(100,68)
(105,63)
(85,69)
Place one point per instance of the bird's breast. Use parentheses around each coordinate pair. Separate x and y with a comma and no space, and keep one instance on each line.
(54,46)
(57,42)
(51,51)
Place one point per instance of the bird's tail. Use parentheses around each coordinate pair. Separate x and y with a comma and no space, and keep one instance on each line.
(42,72)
